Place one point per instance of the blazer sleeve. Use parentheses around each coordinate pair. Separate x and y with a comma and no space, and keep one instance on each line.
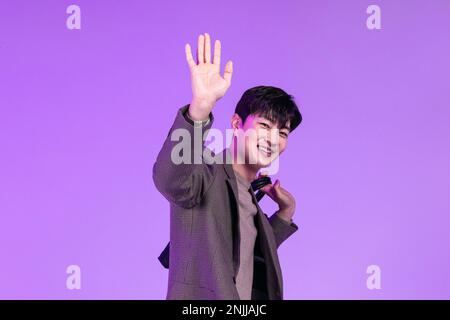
(185,183)
(281,228)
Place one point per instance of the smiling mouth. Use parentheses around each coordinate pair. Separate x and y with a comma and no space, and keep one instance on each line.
(264,150)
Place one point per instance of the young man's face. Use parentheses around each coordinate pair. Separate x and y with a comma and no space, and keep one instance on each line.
(264,140)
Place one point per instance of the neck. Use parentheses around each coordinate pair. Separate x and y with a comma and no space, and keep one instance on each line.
(247,171)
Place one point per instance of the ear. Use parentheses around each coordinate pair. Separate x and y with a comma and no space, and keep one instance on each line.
(236,121)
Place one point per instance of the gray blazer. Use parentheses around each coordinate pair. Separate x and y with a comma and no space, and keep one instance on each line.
(204,231)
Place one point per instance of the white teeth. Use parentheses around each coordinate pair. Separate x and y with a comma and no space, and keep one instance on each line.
(266,150)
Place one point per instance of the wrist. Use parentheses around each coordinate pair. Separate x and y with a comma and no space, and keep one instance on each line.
(199,110)
(286,213)
(197,122)
(198,116)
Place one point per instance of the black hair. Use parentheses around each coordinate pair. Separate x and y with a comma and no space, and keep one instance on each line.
(271,103)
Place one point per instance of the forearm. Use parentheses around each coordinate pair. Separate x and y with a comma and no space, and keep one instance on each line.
(183,178)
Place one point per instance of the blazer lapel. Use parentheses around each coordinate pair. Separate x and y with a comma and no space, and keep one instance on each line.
(270,248)
(233,191)
(264,228)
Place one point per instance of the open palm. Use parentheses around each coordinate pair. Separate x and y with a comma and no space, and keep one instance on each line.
(207,84)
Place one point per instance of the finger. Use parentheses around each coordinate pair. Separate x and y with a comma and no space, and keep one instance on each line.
(201,49)
(268,189)
(189,58)
(277,184)
(217,50)
(228,71)
(277,187)
(272,188)
(207,48)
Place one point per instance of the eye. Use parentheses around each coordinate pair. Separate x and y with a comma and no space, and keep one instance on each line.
(284,134)
(265,125)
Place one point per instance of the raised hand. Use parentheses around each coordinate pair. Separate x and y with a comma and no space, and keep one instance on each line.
(208,85)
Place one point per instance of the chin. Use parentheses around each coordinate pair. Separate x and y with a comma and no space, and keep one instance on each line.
(262,160)
(266,162)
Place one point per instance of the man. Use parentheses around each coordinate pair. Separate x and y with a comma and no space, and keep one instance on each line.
(222,245)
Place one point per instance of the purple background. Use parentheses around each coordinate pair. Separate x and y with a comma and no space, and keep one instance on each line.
(83,114)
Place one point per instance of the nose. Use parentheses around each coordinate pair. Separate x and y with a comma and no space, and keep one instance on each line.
(272,139)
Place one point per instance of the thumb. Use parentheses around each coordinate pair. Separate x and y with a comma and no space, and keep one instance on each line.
(277,185)
(228,71)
